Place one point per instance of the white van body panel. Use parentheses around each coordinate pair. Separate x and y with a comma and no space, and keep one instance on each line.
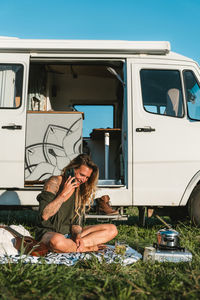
(28,197)
(13,141)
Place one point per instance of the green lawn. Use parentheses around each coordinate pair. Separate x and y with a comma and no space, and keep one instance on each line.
(92,280)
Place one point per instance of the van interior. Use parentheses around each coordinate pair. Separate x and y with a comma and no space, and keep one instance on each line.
(75,107)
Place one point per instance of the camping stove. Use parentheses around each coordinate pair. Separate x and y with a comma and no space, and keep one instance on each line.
(167,248)
(171,254)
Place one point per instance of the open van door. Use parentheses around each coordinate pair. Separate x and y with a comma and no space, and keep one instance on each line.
(13,90)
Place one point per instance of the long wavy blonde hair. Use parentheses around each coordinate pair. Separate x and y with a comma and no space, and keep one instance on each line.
(85,194)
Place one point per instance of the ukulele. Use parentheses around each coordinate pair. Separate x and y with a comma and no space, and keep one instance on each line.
(27,244)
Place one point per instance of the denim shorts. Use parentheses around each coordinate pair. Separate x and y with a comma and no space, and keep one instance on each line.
(67,236)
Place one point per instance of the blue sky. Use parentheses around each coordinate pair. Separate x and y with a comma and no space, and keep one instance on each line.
(177,21)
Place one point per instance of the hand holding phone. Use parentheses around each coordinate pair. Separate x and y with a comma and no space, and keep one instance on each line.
(69,185)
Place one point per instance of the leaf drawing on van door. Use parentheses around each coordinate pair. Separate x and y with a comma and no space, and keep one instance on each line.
(58,147)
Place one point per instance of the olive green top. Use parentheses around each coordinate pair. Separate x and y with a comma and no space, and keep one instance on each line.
(61,222)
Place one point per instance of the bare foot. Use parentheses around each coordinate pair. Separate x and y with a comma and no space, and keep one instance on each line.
(83,248)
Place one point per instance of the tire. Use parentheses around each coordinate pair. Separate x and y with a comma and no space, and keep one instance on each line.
(194,206)
(179,213)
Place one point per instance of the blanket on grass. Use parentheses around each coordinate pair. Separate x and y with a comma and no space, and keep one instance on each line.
(8,254)
(107,255)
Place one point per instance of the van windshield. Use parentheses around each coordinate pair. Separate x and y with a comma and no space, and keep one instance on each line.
(192,95)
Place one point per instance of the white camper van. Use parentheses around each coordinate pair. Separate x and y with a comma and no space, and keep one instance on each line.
(134,106)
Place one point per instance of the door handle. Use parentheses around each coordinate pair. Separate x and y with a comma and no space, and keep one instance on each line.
(145,129)
(12,127)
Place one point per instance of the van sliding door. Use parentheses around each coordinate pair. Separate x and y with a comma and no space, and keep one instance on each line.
(13,91)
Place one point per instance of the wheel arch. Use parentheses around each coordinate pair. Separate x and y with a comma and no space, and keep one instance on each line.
(190,187)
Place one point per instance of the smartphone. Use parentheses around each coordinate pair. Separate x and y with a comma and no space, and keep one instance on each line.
(69,172)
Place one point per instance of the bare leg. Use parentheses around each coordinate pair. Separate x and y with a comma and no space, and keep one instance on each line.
(92,236)
(58,243)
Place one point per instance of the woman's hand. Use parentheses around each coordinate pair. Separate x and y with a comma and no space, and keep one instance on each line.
(76,235)
(69,187)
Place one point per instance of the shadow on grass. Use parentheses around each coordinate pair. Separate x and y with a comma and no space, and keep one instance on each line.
(129,230)
(28,217)
(25,217)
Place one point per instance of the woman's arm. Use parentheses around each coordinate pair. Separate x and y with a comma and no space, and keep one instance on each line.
(52,185)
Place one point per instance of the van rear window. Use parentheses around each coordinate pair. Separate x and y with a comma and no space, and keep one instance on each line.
(11,78)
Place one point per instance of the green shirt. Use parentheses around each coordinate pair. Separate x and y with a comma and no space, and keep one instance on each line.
(62,221)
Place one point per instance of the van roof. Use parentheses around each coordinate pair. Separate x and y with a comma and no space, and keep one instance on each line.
(100,46)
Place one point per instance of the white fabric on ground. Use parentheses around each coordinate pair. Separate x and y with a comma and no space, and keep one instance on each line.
(7,240)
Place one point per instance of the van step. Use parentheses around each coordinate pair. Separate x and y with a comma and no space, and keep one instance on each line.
(110,183)
(107,217)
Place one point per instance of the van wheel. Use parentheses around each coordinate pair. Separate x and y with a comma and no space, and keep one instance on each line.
(194,206)
(179,213)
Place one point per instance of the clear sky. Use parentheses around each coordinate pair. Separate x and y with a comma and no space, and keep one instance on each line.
(177,21)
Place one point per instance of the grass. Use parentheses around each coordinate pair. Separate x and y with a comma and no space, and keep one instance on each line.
(92,280)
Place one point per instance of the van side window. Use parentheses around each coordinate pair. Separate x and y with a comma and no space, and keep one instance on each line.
(192,90)
(162,92)
(11,78)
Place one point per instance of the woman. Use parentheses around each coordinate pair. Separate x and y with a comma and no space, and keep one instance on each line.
(62,205)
